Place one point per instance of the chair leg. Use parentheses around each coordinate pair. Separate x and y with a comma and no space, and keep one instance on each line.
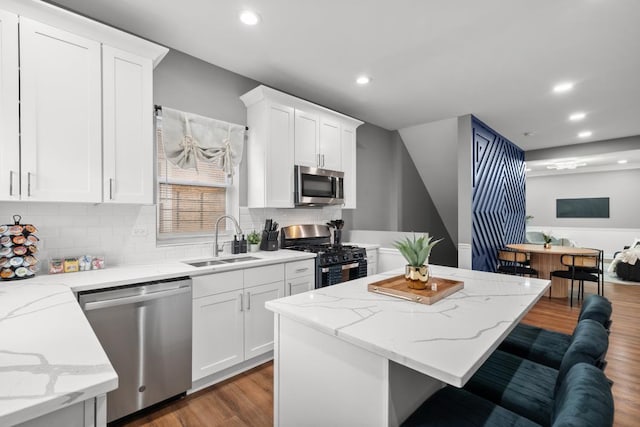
(571,296)
(550,278)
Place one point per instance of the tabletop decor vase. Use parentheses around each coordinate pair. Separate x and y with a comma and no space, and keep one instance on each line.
(416,252)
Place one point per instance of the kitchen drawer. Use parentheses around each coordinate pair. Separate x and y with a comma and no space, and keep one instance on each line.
(216,283)
(300,268)
(262,275)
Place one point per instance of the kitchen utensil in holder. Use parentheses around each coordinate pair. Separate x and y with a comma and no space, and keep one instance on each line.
(18,246)
(269,241)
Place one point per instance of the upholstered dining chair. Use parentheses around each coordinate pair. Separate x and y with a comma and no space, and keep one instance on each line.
(515,263)
(598,269)
(578,269)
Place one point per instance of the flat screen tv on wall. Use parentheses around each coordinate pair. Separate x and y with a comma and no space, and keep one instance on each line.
(595,207)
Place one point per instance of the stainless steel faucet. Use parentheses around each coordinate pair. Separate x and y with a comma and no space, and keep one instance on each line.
(238,231)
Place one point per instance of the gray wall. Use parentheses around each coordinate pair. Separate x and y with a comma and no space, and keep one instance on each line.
(377,178)
(189,84)
(619,186)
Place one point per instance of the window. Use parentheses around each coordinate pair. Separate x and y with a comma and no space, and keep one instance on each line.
(191,200)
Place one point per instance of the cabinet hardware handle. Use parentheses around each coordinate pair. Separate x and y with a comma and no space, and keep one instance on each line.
(11,183)
(248,301)
(290,288)
(300,270)
(28,184)
(323,160)
(110,188)
(241,302)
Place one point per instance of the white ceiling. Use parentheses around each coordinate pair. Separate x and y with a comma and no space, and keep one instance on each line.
(429,60)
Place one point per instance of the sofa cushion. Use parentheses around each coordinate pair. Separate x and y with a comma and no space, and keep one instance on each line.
(598,308)
(537,344)
(517,384)
(583,399)
(589,344)
(456,407)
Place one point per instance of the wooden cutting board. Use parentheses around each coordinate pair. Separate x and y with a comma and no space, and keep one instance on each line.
(397,286)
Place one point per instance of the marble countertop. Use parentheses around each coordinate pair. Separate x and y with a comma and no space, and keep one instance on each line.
(49,356)
(130,274)
(448,340)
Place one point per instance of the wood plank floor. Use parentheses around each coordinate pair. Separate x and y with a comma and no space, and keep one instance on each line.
(247,400)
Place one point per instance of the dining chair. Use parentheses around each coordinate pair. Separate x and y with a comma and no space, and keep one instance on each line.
(515,263)
(578,268)
(598,269)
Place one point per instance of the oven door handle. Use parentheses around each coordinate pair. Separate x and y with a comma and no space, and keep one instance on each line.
(344,267)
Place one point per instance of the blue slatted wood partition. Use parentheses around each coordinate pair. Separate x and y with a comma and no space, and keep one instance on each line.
(498,192)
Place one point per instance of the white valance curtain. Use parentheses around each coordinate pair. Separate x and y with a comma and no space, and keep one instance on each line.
(187,137)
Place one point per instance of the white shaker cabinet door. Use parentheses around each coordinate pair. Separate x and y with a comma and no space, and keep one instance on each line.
(306,139)
(348,141)
(279,158)
(60,115)
(330,153)
(128,127)
(300,285)
(9,139)
(218,333)
(258,335)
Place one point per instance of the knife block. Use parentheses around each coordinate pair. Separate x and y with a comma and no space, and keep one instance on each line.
(269,241)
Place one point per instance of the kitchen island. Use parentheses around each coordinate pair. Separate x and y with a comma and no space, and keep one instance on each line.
(345,356)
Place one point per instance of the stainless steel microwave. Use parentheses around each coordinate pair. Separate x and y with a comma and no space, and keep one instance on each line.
(317,187)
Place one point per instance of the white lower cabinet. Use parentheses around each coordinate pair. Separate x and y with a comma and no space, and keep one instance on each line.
(218,327)
(372,262)
(258,326)
(230,321)
(300,277)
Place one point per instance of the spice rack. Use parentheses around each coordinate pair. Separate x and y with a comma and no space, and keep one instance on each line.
(18,246)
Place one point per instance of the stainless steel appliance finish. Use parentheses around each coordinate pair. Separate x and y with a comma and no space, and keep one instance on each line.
(145,330)
(335,263)
(317,187)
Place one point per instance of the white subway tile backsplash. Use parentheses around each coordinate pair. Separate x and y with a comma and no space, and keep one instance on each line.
(126,234)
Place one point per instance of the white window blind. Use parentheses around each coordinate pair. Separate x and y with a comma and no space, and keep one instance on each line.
(189,200)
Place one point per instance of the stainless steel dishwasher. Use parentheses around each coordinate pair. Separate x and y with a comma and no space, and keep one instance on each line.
(145,329)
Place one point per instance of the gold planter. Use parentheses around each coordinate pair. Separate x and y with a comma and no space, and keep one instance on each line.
(417,277)
(547,245)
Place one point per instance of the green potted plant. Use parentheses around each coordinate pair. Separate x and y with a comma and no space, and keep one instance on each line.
(416,251)
(254,240)
(547,237)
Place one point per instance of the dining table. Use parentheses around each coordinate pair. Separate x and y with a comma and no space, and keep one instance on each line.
(546,260)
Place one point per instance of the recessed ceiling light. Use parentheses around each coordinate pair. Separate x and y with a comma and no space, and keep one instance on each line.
(363,80)
(622,162)
(585,134)
(563,87)
(566,165)
(249,17)
(577,116)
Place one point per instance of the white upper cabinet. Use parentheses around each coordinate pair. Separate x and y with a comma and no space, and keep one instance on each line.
(60,81)
(270,149)
(317,140)
(285,131)
(9,137)
(76,117)
(307,127)
(127,91)
(329,144)
(348,149)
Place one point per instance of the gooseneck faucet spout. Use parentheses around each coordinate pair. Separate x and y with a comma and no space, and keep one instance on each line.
(238,231)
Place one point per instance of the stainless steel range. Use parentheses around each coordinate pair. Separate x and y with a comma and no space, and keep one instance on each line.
(335,263)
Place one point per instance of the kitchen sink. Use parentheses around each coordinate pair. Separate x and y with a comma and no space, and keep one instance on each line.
(211,262)
(241,259)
